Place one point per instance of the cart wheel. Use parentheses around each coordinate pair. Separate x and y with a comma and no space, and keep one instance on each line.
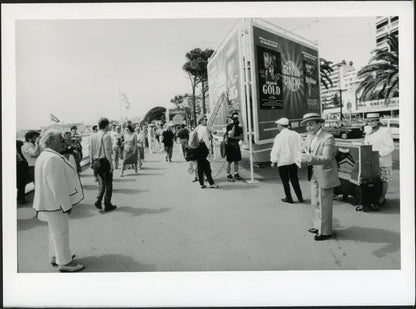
(344,135)
(359,208)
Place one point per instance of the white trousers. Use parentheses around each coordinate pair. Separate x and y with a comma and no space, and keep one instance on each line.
(58,223)
(322,201)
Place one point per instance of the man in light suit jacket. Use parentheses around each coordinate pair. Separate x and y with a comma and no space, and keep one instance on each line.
(322,172)
(57,189)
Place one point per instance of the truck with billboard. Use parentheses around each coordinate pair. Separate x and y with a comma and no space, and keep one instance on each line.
(264,73)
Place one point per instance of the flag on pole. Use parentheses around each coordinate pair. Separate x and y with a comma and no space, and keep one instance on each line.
(54,118)
(125,100)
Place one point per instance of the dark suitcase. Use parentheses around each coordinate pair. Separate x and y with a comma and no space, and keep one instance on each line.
(358,169)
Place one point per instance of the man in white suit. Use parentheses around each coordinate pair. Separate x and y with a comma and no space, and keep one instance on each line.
(57,189)
(322,172)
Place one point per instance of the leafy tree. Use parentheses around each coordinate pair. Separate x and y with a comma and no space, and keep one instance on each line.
(380,77)
(156,113)
(196,68)
(182,104)
(326,69)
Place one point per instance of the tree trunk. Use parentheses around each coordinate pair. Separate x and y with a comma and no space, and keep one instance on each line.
(193,103)
(204,109)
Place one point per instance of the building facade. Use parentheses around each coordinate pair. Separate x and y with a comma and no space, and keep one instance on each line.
(385,25)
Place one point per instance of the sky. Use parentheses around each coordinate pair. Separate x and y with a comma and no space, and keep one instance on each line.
(64,66)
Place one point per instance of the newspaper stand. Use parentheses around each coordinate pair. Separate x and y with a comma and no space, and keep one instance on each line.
(358,171)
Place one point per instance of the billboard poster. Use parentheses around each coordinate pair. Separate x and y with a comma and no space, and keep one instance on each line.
(311,75)
(295,88)
(270,78)
(224,82)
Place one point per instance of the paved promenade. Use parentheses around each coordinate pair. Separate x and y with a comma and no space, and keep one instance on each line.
(164,222)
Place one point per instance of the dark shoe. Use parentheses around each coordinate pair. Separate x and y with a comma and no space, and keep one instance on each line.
(70,267)
(230,178)
(319,237)
(313,230)
(203,186)
(109,208)
(301,200)
(97,205)
(195,180)
(214,186)
(238,177)
(285,200)
(52,261)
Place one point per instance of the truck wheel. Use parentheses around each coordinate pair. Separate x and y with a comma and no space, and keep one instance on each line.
(344,135)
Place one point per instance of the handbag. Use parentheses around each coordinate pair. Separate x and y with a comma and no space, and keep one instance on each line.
(190,154)
(223,146)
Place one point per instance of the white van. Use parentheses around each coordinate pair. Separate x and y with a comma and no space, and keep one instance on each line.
(393,125)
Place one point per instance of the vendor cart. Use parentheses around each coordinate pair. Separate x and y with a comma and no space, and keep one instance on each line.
(358,171)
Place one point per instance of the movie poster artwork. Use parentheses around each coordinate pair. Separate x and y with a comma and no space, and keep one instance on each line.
(270,78)
(311,75)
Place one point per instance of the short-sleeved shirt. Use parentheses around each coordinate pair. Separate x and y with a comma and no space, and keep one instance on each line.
(238,132)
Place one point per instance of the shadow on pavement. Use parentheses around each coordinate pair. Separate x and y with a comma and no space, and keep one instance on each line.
(150,174)
(83,211)
(235,186)
(113,263)
(392,206)
(129,191)
(142,211)
(371,235)
(27,224)
(90,187)
(123,180)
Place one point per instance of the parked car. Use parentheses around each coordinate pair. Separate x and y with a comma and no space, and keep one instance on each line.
(393,125)
(343,129)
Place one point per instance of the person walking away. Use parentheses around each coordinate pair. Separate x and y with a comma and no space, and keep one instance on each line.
(116,139)
(286,150)
(234,133)
(151,138)
(130,149)
(76,144)
(203,165)
(322,172)
(102,164)
(140,146)
(167,139)
(57,190)
(382,141)
(31,151)
(183,135)
(22,173)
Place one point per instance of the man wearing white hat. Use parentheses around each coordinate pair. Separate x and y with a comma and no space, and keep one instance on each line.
(382,141)
(322,172)
(286,149)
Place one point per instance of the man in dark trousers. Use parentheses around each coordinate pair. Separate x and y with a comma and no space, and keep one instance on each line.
(102,164)
(168,138)
(234,133)
(286,152)
(183,135)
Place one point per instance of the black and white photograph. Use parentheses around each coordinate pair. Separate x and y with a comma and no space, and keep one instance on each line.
(201,154)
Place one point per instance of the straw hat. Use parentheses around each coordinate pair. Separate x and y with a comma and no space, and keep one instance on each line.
(311,117)
(372,116)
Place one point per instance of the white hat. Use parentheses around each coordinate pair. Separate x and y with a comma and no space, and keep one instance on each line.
(283,121)
(373,116)
(311,117)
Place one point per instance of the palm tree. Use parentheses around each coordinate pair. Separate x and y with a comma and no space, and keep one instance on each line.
(326,70)
(380,77)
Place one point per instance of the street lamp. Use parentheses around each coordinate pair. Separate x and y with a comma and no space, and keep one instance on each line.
(340,102)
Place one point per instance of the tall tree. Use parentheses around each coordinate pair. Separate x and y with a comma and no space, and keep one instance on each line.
(196,68)
(156,113)
(326,70)
(380,77)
